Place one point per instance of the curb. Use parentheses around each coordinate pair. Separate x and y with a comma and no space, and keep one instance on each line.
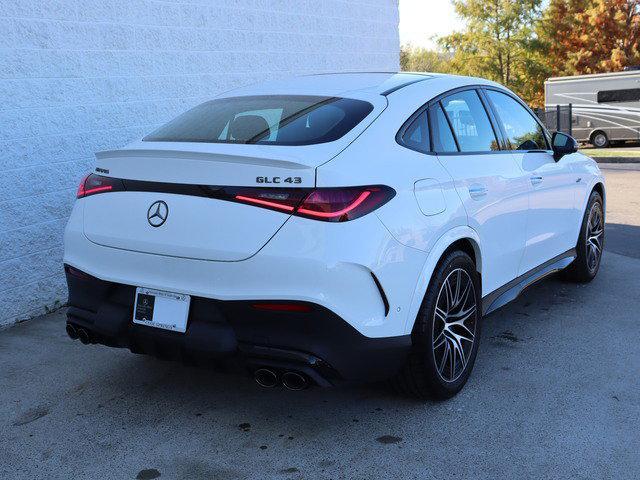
(617,159)
(628,167)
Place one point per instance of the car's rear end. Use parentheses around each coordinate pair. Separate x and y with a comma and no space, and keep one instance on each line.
(210,241)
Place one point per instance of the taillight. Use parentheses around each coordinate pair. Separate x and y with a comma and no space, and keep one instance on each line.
(342,204)
(325,204)
(92,184)
(281,199)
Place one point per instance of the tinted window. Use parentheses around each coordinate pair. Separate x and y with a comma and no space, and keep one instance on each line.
(612,96)
(272,120)
(442,137)
(522,129)
(417,134)
(470,122)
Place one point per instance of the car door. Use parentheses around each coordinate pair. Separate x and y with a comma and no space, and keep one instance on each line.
(551,221)
(491,186)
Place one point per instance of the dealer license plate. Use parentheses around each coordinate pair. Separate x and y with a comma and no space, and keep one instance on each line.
(159,309)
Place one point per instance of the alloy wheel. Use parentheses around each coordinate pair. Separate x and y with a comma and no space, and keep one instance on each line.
(454,325)
(595,236)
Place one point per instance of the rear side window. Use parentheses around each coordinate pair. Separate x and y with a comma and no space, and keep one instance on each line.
(416,135)
(470,122)
(522,130)
(268,120)
(443,141)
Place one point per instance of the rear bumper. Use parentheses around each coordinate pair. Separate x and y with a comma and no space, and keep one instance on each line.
(322,263)
(318,342)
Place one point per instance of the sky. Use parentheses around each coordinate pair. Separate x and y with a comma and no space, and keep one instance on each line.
(421,20)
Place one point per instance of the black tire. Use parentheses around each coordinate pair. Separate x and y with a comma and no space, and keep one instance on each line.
(584,269)
(599,139)
(421,376)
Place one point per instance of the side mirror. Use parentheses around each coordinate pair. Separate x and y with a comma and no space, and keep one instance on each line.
(562,145)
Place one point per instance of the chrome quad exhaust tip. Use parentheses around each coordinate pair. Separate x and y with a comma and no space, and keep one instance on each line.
(295,381)
(265,377)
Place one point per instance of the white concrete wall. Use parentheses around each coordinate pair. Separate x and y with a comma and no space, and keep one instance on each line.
(77,76)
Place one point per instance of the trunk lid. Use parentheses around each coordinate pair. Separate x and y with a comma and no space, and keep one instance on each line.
(195,227)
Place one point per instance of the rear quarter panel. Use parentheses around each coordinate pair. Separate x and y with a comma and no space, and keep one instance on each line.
(376,158)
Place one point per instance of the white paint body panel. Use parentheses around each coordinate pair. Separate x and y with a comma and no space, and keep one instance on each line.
(430,196)
(495,195)
(222,250)
(553,212)
(196,227)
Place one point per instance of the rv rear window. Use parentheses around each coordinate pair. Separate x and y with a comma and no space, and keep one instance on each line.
(611,96)
(268,120)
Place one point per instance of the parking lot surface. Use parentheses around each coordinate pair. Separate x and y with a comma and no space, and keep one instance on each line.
(554,394)
(623,209)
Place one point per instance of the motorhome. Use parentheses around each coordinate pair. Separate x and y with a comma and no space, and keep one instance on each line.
(605,107)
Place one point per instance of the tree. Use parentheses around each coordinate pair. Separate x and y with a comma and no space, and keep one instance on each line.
(557,34)
(414,59)
(591,36)
(498,42)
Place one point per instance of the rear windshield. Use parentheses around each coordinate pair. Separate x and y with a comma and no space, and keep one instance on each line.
(269,120)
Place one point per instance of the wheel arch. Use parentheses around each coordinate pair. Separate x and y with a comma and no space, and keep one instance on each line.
(462,238)
(599,187)
(596,186)
(468,246)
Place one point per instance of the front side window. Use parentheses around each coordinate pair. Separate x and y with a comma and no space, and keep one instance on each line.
(470,122)
(416,135)
(266,120)
(522,130)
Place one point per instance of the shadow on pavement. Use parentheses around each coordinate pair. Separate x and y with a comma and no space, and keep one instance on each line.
(622,239)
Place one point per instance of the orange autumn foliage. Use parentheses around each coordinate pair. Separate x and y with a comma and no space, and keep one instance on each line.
(591,36)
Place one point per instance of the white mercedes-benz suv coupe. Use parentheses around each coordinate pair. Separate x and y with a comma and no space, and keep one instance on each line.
(330,228)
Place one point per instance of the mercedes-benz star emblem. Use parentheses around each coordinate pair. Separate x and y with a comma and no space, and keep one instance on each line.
(157,213)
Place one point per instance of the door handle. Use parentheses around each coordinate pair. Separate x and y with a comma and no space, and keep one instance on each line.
(536,180)
(477,191)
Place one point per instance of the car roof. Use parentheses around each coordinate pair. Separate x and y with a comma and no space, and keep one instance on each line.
(334,84)
(357,84)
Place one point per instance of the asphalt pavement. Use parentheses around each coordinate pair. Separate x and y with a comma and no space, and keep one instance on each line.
(623,209)
(554,394)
